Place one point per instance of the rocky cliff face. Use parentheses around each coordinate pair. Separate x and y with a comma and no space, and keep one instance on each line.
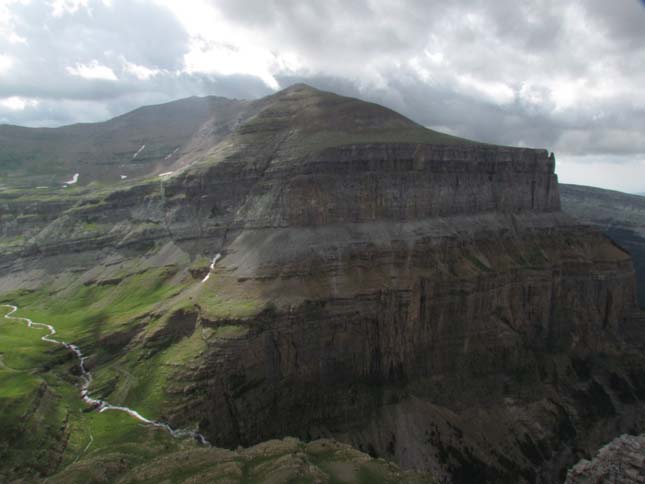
(419,296)
(436,351)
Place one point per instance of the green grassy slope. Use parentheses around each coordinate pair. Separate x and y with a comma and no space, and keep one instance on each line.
(48,431)
(45,424)
(130,322)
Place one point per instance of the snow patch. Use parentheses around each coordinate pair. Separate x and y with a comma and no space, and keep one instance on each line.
(123,177)
(166,173)
(169,155)
(73,180)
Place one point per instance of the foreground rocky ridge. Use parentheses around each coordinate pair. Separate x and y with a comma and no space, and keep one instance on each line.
(275,461)
(621,461)
(418,296)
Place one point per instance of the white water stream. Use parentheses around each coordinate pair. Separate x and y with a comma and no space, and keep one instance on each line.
(211,267)
(72,180)
(86,379)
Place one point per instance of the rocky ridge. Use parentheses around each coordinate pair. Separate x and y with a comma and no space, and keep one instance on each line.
(622,461)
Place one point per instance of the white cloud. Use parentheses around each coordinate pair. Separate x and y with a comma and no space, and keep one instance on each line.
(567,93)
(7,27)
(142,73)
(5,63)
(497,92)
(214,57)
(16,103)
(93,70)
(223,48)
(61,7)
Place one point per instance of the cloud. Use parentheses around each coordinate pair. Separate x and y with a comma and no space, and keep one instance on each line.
(16,103)
(61,7)
(5,63)
(142,73)
(94,70)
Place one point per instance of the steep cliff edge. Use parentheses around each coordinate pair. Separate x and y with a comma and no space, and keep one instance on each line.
(416,295)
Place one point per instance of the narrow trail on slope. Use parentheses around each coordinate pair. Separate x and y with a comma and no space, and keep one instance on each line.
(86,379)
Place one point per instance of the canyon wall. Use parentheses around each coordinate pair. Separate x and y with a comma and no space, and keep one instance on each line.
(485,321)
(427,303)
(351,184)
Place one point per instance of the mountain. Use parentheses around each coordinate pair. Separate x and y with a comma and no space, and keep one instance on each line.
(619,215)
(321,267)
(135,144)
(156,139)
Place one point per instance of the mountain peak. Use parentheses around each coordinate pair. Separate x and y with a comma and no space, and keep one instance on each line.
(299,87)
(317,119)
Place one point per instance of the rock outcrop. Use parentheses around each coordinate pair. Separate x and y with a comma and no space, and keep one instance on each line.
(622,461)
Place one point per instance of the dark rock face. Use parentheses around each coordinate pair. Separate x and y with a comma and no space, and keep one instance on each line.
(362,183)
(394,348)
(347,185)
(621,461)
(424,300)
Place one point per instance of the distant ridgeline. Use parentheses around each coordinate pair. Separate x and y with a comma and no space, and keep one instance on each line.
(619,215)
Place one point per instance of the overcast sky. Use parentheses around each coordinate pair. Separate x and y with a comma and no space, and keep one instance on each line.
(563,75)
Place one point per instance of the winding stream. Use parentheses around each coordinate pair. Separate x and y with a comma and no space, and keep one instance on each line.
(86,379)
